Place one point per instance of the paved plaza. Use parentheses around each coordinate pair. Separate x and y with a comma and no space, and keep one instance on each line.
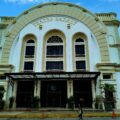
(85,118)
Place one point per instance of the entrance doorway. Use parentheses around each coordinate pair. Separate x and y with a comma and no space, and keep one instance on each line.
(25,93)
(53,93)
(83,90)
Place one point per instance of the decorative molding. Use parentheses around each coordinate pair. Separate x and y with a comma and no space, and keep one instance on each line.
(62,9)
(115,45)
(6,68)
(108,66)
(46,19)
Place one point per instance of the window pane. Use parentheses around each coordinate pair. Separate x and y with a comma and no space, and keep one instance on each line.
(30,41)
(106,76)
(79,40)
(28,66)
(80,65)
(52,65)
(29,50)
(55,39)
(54,50)
(79,50)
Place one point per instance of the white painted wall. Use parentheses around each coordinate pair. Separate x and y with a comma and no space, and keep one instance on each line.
(117,74)
(113,52)
(62,26)
(93,47)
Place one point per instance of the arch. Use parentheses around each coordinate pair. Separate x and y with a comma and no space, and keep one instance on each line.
(48,42)
(28,50)
(54,32)
(54,8)
(80,51)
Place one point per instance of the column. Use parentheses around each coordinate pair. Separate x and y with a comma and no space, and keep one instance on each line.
(69,88)
(93,93)
(37,90)
(14,93)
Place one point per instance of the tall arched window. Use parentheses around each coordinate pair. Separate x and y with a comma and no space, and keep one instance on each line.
(54,53)
(80,54)
(29,55)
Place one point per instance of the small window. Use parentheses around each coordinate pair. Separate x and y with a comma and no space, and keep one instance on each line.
(107,76)
(3,77)
(28,65)
(54,65)
(80,50)
(55,50)
(29,51)
(80,65)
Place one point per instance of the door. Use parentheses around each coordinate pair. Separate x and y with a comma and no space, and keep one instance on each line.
(53,93)
(83,91)
(25,93)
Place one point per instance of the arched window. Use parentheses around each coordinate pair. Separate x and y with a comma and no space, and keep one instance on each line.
(29,53)
(80,54)
(54,53)
(55,46)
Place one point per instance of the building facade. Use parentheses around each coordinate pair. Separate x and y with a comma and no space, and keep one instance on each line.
(58,50)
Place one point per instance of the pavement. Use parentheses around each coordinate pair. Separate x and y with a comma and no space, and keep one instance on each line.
(41,114)
(85,118)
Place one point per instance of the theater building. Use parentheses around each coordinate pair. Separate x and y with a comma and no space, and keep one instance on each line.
(58,50)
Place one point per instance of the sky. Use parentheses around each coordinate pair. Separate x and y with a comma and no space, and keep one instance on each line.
(16,7)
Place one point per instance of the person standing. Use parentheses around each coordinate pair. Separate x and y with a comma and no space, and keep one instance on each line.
(80,107)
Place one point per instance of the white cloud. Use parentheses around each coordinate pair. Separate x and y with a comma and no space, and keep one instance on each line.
(28,1)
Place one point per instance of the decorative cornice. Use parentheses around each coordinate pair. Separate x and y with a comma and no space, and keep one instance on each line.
(108,66)
(6,68)
(112,22)
(3,25)
(115,45)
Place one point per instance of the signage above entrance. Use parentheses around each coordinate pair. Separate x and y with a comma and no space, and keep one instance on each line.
(83,75)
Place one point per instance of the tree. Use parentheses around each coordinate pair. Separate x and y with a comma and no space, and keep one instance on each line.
(109,97)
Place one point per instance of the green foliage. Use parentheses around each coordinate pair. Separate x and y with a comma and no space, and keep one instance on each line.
(109,87)
(71,102)
(2,89)
(2,103)
(99,98)
(11,101)
(36,102)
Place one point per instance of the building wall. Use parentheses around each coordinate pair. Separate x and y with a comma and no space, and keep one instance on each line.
(101,31)
(69,33)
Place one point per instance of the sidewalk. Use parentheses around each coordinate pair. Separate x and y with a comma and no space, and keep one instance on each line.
(52,114)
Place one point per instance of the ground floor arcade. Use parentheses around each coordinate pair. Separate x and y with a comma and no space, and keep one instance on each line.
(53,89)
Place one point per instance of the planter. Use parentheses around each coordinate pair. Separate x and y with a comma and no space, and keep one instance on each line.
(71,103)
(11,101)
(36,102)
(108,106)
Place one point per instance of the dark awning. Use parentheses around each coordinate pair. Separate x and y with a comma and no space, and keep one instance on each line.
(82,75)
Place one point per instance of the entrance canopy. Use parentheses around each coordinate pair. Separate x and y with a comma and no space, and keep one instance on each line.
(83,75)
